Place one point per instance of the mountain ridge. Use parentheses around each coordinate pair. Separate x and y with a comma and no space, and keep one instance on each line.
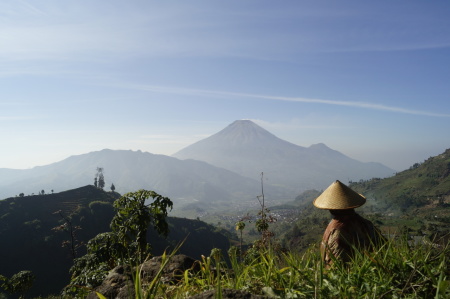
(225,166)
(130,171)
(247,149)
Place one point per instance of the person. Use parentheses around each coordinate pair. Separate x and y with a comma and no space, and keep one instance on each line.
(347,230)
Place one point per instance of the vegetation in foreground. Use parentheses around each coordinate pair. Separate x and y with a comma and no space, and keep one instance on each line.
(399,269)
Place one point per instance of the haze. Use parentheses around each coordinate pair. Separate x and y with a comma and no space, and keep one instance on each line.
(369,79)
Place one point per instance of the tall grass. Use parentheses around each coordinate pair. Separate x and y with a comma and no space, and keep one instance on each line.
(398,269)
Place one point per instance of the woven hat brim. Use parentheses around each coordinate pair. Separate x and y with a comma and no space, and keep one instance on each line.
(339,197)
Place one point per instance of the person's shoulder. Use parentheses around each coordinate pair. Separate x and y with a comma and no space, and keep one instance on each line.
(362,222)
(361,218)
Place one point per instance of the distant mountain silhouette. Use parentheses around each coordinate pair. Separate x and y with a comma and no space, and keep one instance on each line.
(225,166)
(131,171)
(247,149)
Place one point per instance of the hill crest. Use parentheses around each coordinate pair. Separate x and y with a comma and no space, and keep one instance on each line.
(32,234)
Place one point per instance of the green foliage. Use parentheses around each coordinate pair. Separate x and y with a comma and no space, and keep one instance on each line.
(422,184)
(104,252)
(127,243)
(28,241)
(397,270)
(88,270)
(418,198)
(240,225)
(133,218)
(20,282)
(4,283)
(264,219)
(156,286)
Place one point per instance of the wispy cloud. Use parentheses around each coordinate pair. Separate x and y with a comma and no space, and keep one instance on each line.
(169,139)
(31,8)
(17,118)
(225,94)
(305,123)
(87,31)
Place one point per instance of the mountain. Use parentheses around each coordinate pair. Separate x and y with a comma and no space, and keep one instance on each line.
(247,149)
(30,242)
(223,167)
(187,181)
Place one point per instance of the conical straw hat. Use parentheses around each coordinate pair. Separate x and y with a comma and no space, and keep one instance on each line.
(339,197)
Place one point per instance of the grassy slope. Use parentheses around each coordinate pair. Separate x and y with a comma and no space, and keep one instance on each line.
(423,184)
(30,243)
(416,200)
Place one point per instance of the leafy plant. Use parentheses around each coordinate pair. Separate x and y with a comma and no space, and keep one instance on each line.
(265,218)
(126,244)
(133,218)
(20,282)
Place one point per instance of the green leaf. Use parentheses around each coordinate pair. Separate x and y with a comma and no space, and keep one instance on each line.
(100,295)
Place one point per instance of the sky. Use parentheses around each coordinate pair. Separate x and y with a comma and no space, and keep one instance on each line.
(370,79)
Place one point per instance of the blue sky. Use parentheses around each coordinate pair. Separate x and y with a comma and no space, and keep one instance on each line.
(367,78)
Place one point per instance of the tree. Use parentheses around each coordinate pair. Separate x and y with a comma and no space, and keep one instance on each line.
(99,180)
(240,225)
(133,218)
(113,188)
(262,224)
(127,243)
(73,244)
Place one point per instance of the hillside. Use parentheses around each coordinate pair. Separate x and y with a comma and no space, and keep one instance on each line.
(416,201)
(247,149)
(29,241)
(423,184)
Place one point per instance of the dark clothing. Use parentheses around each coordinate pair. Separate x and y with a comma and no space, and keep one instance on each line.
(345,232)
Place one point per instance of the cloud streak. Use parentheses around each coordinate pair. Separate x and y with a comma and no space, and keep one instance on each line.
(225,94)
(17,118)
(58,33)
